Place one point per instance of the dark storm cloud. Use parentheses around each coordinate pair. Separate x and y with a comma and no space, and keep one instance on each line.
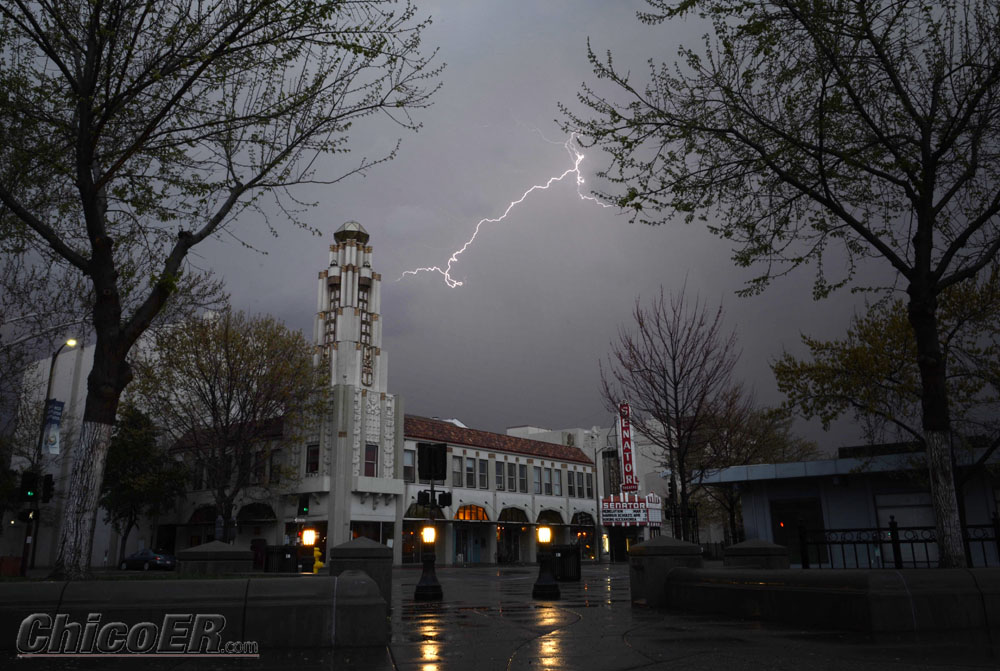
(544,290)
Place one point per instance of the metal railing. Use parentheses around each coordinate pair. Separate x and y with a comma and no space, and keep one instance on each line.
(893,546)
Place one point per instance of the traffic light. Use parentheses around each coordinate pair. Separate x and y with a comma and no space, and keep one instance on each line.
(47,487)
(29,486)
(303,504)
(423,497)
(670,490)
(444,499)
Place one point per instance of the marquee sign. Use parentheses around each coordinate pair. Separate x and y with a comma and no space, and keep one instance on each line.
(629,482)
(630,510)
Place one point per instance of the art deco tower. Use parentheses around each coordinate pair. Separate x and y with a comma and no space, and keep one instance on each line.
(362,435)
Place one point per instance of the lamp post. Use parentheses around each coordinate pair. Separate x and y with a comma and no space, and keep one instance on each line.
(428,588)
(31,530)
(546,586)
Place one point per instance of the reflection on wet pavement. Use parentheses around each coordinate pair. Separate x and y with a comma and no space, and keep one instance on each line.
(488,620)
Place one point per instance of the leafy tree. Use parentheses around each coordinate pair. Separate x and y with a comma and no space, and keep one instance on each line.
(134,130)
(873,373)
(862,128)
(673,365)
(140,478)
(220,388)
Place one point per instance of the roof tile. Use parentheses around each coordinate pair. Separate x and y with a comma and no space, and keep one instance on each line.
(423,428)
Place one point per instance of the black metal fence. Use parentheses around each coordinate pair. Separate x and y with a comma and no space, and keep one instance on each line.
(892,547)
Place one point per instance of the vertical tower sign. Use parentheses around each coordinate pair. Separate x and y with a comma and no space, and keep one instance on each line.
(629,481)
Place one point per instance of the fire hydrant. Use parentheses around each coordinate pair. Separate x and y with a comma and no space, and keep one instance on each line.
(317,564)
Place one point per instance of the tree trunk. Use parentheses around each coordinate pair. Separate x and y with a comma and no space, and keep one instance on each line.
(76,535)
(108,377)
(936,426)
(121,548)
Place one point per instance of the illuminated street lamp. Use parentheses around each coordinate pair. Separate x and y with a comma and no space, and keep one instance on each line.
(31,531)
(546,586)
(428,588)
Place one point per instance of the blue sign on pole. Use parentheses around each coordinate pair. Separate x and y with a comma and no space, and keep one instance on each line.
(53,416)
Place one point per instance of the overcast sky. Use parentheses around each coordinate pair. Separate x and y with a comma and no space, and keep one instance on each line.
(546,288)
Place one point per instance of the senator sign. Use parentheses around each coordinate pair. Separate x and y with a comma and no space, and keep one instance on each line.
(629,481)
(625,510)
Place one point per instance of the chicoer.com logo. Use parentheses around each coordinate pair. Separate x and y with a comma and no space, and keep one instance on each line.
(179,635)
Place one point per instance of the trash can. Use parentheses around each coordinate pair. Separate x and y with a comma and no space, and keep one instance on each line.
(566,562)
(281,559)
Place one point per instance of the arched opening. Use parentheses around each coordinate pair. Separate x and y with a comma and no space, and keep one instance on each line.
(512,536)
(470,513)
(550,517)
(256,512)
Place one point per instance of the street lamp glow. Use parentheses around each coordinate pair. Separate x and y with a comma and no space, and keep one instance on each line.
(428,534)
(309,537)
(544,534)
(71,342)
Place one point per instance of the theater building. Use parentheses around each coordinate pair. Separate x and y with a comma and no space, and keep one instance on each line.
(502,487)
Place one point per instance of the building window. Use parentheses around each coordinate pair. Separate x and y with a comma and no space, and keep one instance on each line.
(258,467)
(484,474)
(557,482)
(275,467)
(590,485)
(409,461)
(522,478)
(366,317)
(470,472)
(537,478)
(570,484)
(312,458)
(579,484)
(371,460)
(456,471)
(512,477)
(500,475)
(547,482)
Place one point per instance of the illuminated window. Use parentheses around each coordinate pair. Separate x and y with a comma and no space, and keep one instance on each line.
(472,513)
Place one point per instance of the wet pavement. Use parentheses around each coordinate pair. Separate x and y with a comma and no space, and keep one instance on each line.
(488,620)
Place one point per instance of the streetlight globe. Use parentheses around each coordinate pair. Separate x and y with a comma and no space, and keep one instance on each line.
(309,537)
(71,342)
(544,534)
(428,534)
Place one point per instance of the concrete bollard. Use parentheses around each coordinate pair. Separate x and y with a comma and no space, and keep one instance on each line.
(755,554)
(651,561)
(215,558)
(361,613)
(364,554)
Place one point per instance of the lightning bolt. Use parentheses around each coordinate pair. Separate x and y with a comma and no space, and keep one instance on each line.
(577,159)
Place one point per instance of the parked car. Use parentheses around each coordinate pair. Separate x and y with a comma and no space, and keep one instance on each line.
(148,559)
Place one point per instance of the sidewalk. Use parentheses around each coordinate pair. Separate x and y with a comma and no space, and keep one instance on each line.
(489,621)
